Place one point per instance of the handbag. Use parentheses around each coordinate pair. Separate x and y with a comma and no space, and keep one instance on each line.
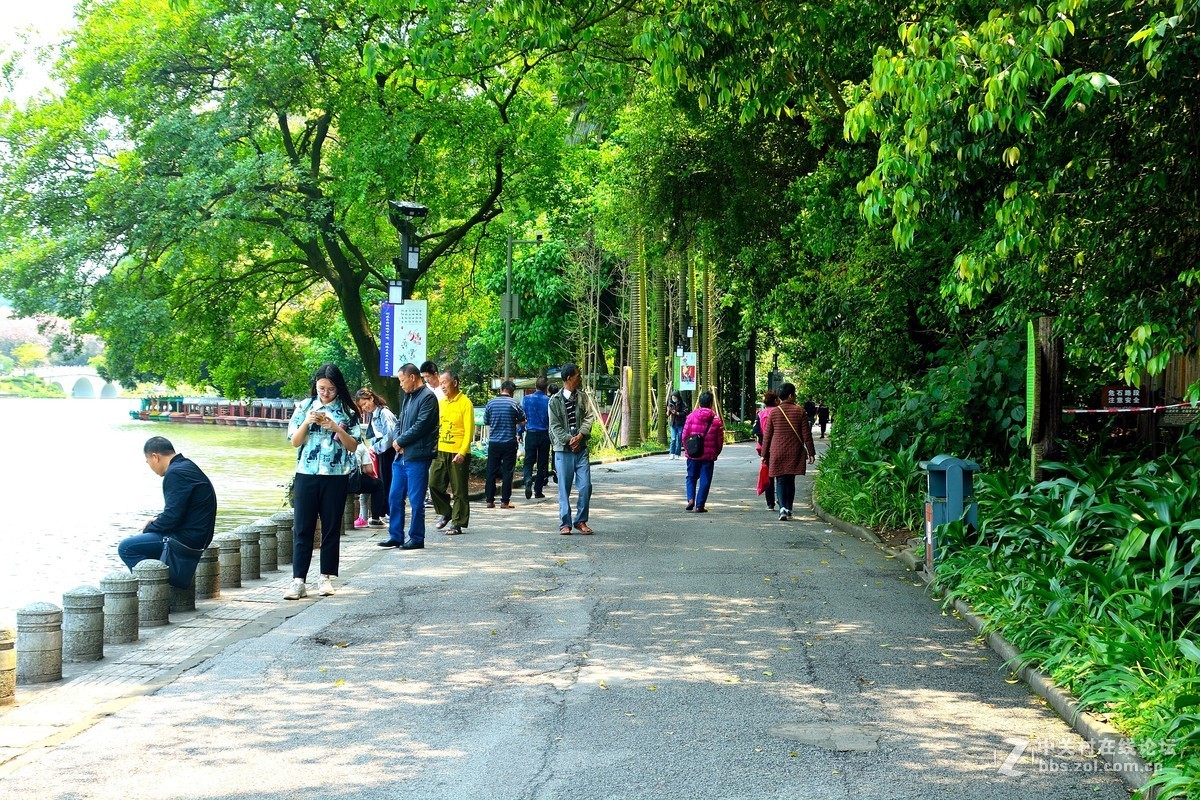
(181,562)
(694,444)
(354,479)
(764,477)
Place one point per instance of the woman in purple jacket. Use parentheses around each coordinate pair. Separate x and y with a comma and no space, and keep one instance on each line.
(705,423)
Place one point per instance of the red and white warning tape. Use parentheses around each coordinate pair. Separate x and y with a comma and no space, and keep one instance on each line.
(1131,410)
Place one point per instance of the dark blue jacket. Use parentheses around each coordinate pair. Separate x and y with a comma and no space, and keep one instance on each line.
(418,425)
(537,416)
(189,505)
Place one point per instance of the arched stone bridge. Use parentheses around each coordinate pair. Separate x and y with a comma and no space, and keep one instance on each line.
(82,382)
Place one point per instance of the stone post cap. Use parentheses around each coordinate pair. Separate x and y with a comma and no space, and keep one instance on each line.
(151,568)
(118,579)
(261,524)
(83,596)
(39,609)
(248,533)
(283,516)
(228,541)
(8,636)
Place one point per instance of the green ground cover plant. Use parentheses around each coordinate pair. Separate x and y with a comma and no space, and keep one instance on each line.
(1093,574)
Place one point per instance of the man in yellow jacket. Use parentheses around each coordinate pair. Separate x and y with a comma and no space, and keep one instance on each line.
(451,465)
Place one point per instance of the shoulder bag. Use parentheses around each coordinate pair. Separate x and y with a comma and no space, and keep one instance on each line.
(694,444)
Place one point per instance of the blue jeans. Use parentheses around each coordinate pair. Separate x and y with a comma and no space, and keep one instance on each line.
(140,547)
(676,440)
(410,481)
(698,481)
(785,489)
(573,468)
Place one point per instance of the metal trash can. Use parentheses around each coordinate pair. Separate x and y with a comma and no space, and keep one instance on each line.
(949,497)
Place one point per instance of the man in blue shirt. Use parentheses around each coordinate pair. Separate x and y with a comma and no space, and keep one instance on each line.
(502,416)
(537,439)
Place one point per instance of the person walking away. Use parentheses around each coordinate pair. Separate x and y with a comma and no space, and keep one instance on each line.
(320,431)
(787,440)
(677,413)
(705,423)
(537,439)
(822,416)
(189,512)
(502,416)
(380,426)
(770,400)
(810,408)
(415,444)
(451,467)
(571,422)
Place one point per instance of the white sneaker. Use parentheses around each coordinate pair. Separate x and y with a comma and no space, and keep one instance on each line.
(783,514)
(297,591)
(325,586)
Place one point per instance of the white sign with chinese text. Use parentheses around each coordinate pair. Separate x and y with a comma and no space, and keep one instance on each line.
(403,335)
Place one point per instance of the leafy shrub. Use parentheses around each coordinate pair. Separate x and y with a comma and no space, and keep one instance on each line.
(1094,574)
(969,408)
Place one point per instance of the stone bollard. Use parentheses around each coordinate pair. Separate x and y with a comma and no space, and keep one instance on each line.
(182,599)
(83,624)
(283,534)
(350,513)
(268,545)
(8,666)
(230,560)
(120,607)
(39,643)
(154,599)
(208,574)
(251,569)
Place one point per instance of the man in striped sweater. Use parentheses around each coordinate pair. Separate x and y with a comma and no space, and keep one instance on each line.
(570,431)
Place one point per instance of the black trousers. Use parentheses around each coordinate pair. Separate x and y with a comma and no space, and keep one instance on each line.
(502,458)
(537,453)
(316,496)
(379,505)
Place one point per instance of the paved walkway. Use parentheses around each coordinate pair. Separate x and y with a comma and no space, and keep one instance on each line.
(672,655)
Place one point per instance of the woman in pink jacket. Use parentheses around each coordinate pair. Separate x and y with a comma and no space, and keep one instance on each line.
(705,423)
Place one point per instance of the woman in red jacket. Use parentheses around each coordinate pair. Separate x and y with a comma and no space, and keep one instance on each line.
(787,440)
(704,423)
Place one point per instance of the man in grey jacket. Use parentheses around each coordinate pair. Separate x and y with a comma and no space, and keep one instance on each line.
(416,444)
(570,430)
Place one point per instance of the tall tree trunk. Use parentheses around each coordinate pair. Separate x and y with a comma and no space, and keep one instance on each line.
(662,349)
(710,334)
(637,311)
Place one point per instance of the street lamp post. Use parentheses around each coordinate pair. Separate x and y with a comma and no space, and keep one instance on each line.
(745,361)
(403,215)
(509,307)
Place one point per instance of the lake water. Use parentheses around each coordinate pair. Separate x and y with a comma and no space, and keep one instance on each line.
(74,483)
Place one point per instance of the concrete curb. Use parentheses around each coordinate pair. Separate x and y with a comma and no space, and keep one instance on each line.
(1106,740)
